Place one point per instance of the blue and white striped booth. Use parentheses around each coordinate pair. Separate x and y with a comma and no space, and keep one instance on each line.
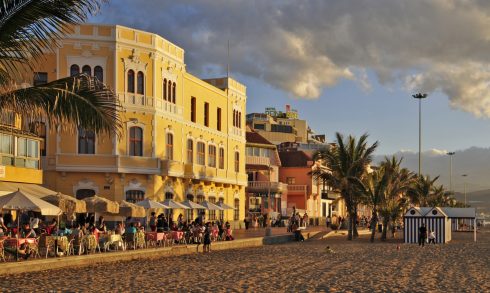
(435,219)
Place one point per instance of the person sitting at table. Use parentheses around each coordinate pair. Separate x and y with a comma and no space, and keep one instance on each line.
(101,225)
(23,250)
(34,223)
(153,222)
(174,227)
(221,230)
(180,221)
(64,231)
(160,226)
(51,226)
(76,232)
(120,229)
(3,228)
(27,232)
(138,226)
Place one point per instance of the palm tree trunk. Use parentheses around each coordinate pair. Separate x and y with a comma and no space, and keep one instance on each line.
(355,234)
(349,232)
(385,228)
(374,222)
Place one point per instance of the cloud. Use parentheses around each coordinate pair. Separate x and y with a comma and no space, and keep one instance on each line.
(305,46)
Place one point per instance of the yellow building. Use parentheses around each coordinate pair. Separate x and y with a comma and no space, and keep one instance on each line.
(183,137)
(20,152)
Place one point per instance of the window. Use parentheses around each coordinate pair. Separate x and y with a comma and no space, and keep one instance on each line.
(173,92)
(239,119)
(136,141)
(84,193)
(165,89)
(7,118)
(236,212)
(281,128)
(141,83)
(259,126)
(169,89)
(237,162)
(193,109)
(291,180)
(39,129)
(130,81)
(221,158)
(169,195)
(212,213)
(218,119)
(234,118)
(199,199)
(6,149)
(201,155)
(40,78)
(27,153)
(135,195)
(190,212)
(99,73)
(190,151)
(169,150)
(221,213)
(87,70)
(212,156)
(74,70)
(86,141)
(206,114)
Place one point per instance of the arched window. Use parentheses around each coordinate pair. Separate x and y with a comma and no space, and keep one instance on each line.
(87,70)
(190,151)
(135,195)
(169,195)
(165,89)
(86,141)
(99,73)
(141,83)
(130,81)
(169,149)
(239,119)
(83,193)
(169,91)
(136,141)
(173,92)
(237,162)
(234,118)
(74,70)
(211,156)
(236,212)
(221,158)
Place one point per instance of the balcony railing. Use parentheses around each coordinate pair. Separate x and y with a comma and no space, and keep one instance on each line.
(298,188)
(265,186)
(254,160)
(237,131)
(165,106)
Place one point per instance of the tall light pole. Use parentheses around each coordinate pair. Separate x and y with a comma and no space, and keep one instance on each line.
(465,175)
(451,154)
(419,97)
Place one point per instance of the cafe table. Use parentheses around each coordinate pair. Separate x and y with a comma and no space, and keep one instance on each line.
(111,239)
(156,237)
(58,242)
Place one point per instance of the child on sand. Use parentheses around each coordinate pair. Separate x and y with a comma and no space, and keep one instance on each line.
(432,237)
(329,250)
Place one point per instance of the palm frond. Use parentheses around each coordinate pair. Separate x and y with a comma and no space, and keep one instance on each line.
(79,101)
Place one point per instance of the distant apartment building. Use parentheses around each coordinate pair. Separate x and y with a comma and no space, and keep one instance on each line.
(278,127)
(264,191)
(182,137)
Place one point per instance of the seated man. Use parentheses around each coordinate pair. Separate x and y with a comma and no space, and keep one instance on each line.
(297,233)
(23,250)
(28,232)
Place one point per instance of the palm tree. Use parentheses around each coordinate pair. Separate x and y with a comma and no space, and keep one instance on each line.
(400,181)
(346,161)
(29,28)
(422,191)
(373,188)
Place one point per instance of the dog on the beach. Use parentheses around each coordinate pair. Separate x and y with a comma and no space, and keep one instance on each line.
(329,250)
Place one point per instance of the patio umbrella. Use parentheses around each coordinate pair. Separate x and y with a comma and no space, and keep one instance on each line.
(211,206)
(172,204)
(225,206)
(127,209)
(192,205)
(68,204)
(19,201)
(97,204)
(149,204)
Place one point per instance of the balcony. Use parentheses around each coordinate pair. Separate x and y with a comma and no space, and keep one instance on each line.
(237,132)
(296,189)
(199,171)
(106,163)
(172,168)
(265,186)
(167,107)
(131,99)
(255,160)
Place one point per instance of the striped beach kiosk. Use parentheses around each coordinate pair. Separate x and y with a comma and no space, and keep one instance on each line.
(435,219)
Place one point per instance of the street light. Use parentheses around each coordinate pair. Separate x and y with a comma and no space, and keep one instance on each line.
(465,175)
(451,154)
(419,97)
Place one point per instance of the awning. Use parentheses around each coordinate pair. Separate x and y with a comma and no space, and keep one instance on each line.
(28,188)
(256,167)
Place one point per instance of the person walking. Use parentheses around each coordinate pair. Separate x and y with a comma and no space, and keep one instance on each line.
(422,234)
(432,237)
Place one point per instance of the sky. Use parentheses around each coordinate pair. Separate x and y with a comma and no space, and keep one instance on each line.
(347,66)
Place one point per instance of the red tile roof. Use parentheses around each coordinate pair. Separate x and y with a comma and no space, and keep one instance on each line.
(254,137)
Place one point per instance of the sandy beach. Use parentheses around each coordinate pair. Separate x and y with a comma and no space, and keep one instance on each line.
(357,266)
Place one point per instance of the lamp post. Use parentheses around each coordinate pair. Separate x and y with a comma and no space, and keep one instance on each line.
(451,154)
(465,175)
(419,97)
